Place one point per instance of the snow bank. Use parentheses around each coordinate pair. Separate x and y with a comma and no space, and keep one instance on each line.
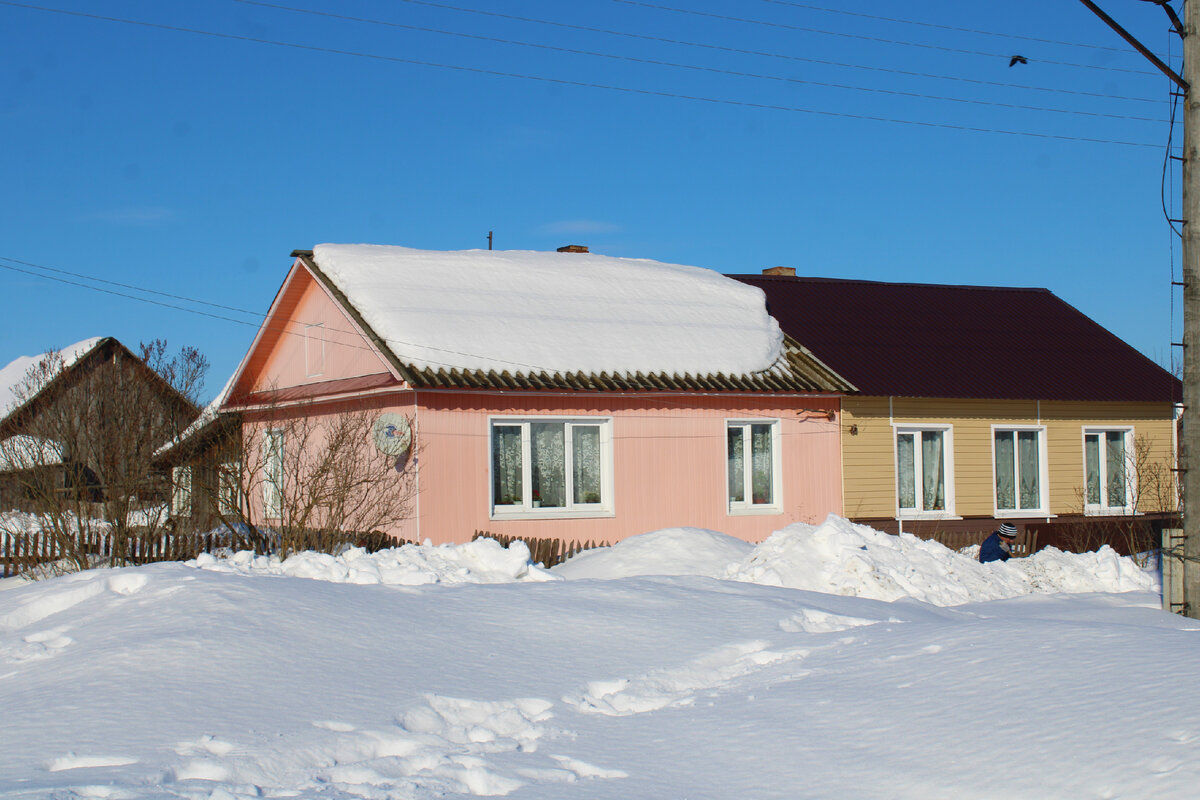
(558,312)
(672,551)
(480,561)
(839,557)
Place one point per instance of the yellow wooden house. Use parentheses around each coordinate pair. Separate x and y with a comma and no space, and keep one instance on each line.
(984,404)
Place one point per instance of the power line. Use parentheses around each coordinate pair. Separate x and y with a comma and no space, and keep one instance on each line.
(581,84)
(953,28)
(769,54)
(695,67)
(864,37)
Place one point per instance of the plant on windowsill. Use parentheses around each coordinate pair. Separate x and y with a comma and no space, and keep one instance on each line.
(591,497)
(537,499)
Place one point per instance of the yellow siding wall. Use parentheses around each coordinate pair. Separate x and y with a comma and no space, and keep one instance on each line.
(868,449)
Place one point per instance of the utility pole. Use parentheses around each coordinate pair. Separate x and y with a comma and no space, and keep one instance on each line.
(1191,313)
(1190,440)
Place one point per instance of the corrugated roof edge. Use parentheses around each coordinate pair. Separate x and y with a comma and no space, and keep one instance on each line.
(815,279)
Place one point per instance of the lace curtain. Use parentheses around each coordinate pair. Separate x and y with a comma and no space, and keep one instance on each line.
(1006,496)
(1017,463)
(1091,452)
(933,470)
(762,463)
(585,474)
(1027,453)
(907,469)
(506,465)
(1115,464)
(737,466)
(548,454)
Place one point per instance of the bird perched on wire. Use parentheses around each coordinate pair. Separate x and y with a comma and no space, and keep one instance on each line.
(1017,60)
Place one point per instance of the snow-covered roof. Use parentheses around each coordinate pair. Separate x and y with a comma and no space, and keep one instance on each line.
(16,370)
(529,312)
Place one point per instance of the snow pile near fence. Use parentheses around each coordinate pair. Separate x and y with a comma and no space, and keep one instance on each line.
(671,551)
(840,557)
(480,561)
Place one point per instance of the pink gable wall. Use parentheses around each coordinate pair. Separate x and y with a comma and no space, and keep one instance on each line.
(311,341)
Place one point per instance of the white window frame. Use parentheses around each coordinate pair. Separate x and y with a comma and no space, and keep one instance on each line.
(314,350)
(1042,509)
(748,506)
(273,477)
(948,444)
(1103,508)
(526,508)
(181,491)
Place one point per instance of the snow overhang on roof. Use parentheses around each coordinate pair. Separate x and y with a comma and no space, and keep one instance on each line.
(12,374)
(489,317)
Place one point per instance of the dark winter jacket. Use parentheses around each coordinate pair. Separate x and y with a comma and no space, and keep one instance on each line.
(993,549)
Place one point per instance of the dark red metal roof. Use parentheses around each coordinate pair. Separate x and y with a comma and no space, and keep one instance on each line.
(928,340)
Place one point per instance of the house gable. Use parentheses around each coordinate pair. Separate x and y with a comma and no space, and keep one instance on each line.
(307,346)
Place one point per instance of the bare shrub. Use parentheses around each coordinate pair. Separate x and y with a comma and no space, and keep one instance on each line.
(304,480)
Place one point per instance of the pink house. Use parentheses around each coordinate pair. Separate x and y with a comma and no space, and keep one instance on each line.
(551,395)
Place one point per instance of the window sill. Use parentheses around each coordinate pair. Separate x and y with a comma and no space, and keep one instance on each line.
(915,515)
(1110,512)
(551,513)
(1020,513)
(754,511)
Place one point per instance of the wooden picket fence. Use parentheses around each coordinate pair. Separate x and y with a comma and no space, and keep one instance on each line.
(547,552)
(1024,545)
(23,552)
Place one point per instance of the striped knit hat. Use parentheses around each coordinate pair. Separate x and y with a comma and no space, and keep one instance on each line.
(1008,530)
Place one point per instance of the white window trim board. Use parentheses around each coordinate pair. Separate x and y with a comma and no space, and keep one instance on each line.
(747,509)
(1131,488)
(905,513)
(606,508)
(1043,509)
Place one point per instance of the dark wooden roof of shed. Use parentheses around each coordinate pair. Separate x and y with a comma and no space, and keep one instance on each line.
(929,340)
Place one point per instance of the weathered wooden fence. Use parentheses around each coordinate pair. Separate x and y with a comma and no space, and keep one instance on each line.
(1026,543)
(546,552)
(21,552)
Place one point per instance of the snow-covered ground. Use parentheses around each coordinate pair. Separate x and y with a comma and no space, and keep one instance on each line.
(828,662)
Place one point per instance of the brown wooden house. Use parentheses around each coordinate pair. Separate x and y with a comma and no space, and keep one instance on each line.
(65,414)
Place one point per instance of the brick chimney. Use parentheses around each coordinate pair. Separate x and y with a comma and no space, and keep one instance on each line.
(787,271)
(573,248)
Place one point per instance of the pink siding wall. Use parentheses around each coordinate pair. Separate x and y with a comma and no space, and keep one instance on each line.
(303,354)
(669,464)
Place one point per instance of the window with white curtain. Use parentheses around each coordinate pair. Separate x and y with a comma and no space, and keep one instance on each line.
(925,471)
(1019,457)
(752,456)
(273,473)
(543,466)
(1107,471)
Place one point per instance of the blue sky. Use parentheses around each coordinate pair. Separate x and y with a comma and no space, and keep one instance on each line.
(192,165)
